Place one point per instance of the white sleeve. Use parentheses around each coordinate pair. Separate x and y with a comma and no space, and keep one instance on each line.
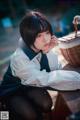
(54,63)
(29,73)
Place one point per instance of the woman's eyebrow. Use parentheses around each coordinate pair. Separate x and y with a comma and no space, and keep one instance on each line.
(47,31)
(44,32)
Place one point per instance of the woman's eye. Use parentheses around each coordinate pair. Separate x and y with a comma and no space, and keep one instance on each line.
(47,32)
(39,35)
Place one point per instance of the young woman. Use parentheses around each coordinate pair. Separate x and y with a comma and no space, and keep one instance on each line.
(33,67)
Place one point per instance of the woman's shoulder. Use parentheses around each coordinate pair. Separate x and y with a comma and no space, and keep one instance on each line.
(19,55)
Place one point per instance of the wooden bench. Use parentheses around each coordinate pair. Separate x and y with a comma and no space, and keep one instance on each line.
(67,102)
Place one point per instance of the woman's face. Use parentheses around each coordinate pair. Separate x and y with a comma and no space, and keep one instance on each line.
(42,41)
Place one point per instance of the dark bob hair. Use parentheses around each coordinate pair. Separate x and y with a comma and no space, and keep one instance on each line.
(32,24)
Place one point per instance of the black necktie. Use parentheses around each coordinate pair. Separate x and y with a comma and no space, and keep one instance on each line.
(44,63)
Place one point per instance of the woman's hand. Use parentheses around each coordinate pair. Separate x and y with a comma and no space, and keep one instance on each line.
(52,44)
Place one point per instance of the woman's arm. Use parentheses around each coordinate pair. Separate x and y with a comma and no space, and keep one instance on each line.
(29,73)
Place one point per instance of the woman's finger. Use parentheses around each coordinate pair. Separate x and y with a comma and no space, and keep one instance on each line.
(54,40)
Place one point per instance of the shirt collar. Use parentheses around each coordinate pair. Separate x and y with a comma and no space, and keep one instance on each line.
(27,50)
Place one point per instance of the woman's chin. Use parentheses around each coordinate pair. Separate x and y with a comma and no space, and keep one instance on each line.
(45,51)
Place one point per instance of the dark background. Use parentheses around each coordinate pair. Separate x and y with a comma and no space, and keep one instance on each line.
(60,12)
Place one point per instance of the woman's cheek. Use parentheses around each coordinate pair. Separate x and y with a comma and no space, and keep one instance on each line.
(40,46)
(39,43)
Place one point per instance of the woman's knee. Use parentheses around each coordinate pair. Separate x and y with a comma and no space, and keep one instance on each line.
(47,104)
(23,108)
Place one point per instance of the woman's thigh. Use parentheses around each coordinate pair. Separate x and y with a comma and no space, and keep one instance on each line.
(39,97)
(22,107)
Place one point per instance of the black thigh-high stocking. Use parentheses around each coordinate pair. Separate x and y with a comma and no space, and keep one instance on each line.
(28,103)
(23,108)
(40,98)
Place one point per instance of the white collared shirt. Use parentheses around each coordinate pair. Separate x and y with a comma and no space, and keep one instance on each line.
(29,72)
